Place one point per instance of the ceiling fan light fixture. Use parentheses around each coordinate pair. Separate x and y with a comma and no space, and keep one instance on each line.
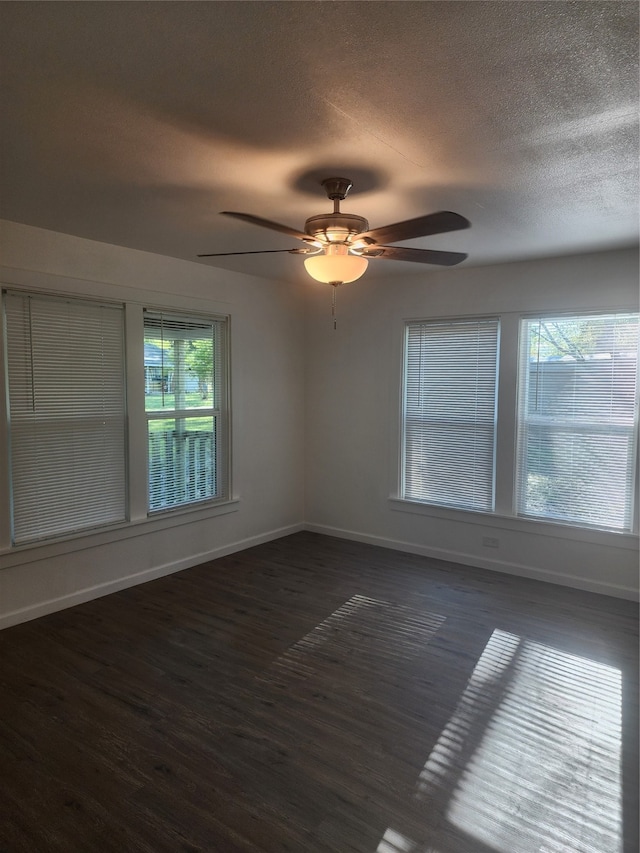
(336,266)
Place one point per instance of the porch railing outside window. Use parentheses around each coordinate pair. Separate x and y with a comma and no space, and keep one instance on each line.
(185,408)
(182,467)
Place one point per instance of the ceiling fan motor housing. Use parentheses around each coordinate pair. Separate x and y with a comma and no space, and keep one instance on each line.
(335,227)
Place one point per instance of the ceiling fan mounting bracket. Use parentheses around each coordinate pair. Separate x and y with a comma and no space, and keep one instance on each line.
(337,188)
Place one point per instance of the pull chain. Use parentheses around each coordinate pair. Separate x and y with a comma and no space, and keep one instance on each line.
(333,307)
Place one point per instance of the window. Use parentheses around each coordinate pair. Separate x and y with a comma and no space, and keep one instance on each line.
(449,412)
(74,424)
(576,419)
(185,404)
(65,372)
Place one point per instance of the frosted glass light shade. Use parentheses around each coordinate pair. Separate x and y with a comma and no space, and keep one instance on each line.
(335,269)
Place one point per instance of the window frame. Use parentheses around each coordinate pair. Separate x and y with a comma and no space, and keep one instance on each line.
(92,419)
(405,378)
(138,521)
(505,516)
(219,412)
(521,397)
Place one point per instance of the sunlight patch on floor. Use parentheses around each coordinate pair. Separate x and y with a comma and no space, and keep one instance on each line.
(531,758)
(395,842)
(362,634)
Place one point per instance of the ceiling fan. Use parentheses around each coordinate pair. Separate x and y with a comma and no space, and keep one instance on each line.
(339,245)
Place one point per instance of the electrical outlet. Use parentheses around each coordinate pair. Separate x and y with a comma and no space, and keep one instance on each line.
(490,542)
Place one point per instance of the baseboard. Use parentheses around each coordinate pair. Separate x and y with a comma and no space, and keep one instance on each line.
(517,569)
(79,597)
(43,608)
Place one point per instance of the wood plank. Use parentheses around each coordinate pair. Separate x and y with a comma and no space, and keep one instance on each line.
(322,696)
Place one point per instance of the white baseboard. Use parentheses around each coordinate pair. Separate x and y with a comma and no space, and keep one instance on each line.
(517,569)
(42,608)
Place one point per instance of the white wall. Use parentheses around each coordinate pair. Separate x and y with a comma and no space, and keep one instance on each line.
(352,416)
(315,417)
(267,420)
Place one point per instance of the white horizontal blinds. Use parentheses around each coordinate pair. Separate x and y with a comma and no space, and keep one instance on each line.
(450,412)
(185,403)
(67,415)
(577,418)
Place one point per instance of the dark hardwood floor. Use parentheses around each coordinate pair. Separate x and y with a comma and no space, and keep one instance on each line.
(313,694)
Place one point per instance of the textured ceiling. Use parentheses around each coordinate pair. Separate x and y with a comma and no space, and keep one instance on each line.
(136,123)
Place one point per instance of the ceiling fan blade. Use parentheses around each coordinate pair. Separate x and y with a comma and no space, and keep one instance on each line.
(419,256)
(258,252)
(422,226)
(267,223)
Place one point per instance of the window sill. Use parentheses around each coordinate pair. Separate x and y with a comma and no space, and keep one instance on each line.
(43,550)
(628,541)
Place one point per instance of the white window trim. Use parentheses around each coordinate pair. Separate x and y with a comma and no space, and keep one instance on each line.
(410,325)
(222,412)
(504,517)
(19,554)
(140,521)
(553,315)
(518,524)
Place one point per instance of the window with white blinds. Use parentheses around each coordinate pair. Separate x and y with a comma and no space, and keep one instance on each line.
(577,415)
(65,371)
(449,412)
(185,404)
